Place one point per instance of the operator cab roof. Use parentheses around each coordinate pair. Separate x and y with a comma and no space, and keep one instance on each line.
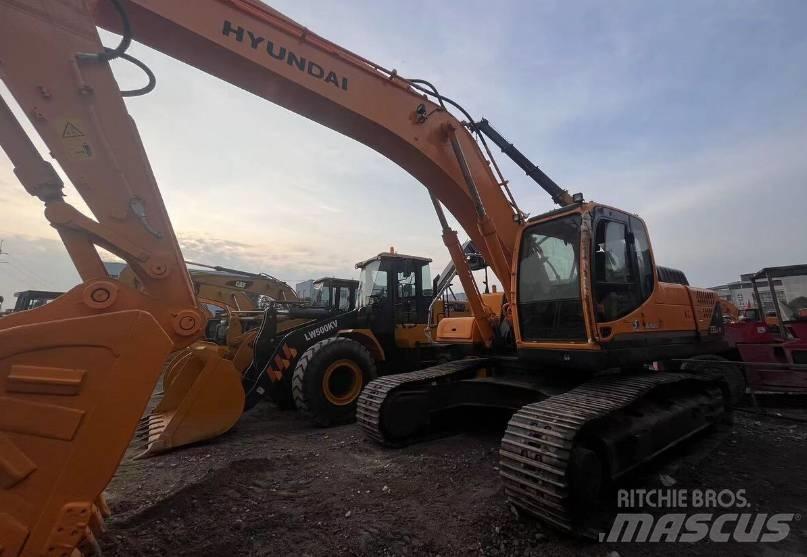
(336,280)
(47,294)
(388,255)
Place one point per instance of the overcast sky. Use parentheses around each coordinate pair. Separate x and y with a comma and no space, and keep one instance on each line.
(692,114)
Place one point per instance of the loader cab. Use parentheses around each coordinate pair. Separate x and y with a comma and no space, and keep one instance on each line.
(336,294)
(558,313)
(31,299)
(395,290)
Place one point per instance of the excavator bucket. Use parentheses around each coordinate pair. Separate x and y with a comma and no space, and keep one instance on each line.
(202,398)
(71,391)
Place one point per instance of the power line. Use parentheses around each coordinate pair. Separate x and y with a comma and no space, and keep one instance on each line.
(15,275)
(36,278)
(19,267)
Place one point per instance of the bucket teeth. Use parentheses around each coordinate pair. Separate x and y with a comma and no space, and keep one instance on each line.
(146,448)
(148,433)
(143,451)
(150,420)
(196,386)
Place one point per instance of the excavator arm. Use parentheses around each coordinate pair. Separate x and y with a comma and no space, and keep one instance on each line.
(239,290)
(75,375)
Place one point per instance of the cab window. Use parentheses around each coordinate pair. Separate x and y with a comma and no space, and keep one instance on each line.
(623,267)
(550,307)
(373,285)
(644,258)
(344,298)
(406,295)
(426,281)
(321,295)
(406,284)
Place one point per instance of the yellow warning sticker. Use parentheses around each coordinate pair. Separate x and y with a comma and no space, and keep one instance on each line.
(74,139)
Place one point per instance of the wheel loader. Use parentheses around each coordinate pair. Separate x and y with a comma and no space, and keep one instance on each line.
(585,309)
(320,367)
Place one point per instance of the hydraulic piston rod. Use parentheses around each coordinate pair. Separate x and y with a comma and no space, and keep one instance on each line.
(558,194)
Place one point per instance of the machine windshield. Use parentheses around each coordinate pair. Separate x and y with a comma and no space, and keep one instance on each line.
(321,295)
(372,283)
(548,280)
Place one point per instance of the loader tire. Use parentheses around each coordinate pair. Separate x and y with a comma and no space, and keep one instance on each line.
(329,378)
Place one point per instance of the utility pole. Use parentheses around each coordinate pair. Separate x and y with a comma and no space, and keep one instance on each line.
(2,253)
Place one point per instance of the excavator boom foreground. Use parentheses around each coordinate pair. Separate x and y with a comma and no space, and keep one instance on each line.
(582,291)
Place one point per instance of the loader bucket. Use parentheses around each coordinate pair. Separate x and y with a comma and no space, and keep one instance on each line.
(245,352)
(175,365)
(179,360)
(202,399)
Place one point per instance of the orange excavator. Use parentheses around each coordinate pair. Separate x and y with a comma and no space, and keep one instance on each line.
(583,293)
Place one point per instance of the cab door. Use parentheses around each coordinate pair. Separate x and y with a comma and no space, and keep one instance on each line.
(623,273)
(406,291)
(381,315)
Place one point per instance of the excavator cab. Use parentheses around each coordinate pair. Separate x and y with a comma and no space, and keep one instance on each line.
(590,295)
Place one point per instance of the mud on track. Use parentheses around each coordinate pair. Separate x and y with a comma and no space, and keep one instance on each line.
(277,486)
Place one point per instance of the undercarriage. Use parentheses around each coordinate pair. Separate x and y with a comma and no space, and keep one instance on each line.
(569,439)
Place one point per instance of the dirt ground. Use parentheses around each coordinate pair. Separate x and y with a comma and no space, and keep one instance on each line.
(275,485)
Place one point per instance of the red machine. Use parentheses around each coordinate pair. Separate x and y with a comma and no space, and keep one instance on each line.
(775,356)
